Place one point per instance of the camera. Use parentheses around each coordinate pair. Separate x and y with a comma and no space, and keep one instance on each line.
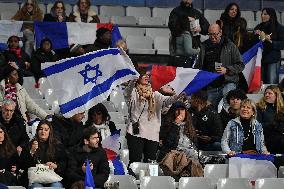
(135,128)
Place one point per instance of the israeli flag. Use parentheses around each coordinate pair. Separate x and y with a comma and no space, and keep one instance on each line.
(81,82)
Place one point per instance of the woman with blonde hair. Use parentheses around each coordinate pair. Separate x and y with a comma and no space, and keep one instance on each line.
(244,134)
(270,105)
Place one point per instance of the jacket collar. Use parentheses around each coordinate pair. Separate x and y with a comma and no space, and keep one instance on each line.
(77,15)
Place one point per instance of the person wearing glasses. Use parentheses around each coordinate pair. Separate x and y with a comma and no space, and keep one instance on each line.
(220,55)
(29,12)
(57,13)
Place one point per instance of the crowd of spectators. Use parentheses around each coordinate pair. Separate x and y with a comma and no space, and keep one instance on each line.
(64,144)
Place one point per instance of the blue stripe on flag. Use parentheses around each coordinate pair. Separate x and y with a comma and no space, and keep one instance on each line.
(248,55)
(256,156)
(202,79)
(115,35)
(57,68)
(3,46)
(96,91)
(55,31)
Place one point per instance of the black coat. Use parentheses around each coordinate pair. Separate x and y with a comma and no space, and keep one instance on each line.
(49,18)
(226,116)
(99,160)
(67,132)
(16,129)
(266,117)
(6,163)
(38,58)
(98,45)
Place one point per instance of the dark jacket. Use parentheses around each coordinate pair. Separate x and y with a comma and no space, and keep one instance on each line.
(99,160)
(39,57)
(98,45)
(229,26)
(50,18)
(6,163)
(230,58)
(69,133)
(207,123)
(182,11)
(16,129)
(271,51)
(226,116)
(266,117)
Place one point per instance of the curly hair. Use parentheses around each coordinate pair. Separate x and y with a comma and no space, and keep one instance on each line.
(36,8)
(97,108)
(262,104)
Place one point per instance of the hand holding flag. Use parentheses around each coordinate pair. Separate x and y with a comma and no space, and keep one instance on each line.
(89,179)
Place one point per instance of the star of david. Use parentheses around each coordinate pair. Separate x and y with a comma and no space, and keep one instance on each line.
(87,69)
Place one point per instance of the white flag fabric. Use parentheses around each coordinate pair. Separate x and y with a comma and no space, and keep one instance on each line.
(80,83)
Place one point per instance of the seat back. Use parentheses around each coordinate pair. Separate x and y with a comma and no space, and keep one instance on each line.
(138,11)
(123,20)
(128,31)
(125,181)
(112,11)
(158,32)
(216,171)
(212,15)
(164,182)
(162,12)
(281,172)
(195,183)
(269,183)
(151,21)
(234,183)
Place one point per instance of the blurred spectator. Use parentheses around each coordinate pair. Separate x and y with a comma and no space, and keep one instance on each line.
(91,151)
(270,105)
(57,13)
(99,117)
(11,89)
(43,54)
(103,40)
(181,41)
(229,20)
(8,159)
(45,149)
(281,87)
(145,108)
(206,122)
(178,133)
(186,10)
(82,12)
(77,50)
(271,32)
(69,130)
(16,57)
(244,134)
(14,124)
(218,54)
(234,99)
(29,12)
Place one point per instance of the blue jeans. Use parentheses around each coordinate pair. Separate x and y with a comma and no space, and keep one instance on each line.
(216,94)
(270,73)
(54,184)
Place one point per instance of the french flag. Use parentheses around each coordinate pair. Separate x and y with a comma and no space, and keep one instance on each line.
(186,80)
(252,71)
(64,34)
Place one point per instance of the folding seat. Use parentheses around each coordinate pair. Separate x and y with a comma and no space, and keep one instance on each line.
(234,183)
(127,31)
(151,21)
(124,156)
(104,19)
(281,172)
(7,15)
(117,117)
(161,44)
(9,7)
(162,12)
(136,167)
(140,45)
(216,171)
(109,106)
(269,183)
(151,182)
(112,11)
(248,15)
(212,15)
(195,183)
(124,20)
(158,32)
(125,181)
(138,11)
(255,97)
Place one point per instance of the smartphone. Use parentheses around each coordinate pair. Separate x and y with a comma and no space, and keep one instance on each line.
(217,65)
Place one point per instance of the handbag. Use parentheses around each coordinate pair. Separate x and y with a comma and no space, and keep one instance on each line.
(42,174)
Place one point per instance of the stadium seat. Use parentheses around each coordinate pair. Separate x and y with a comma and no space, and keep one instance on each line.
(43,104)
(164,182)
(116,96)
(137,166)
(7,15)
(112,11)
(9,7)
(124,156)
(109,106)
(255,97)
(104,19)
(248,15)
(125,181)
(123,108)
(138,12)
(281,172)
(128,31)
(117,117)
(212,15)
(216,171)
(161,44)
(95,8)
(140,45)
(269,183)
(123,20)
(151,21)
(29,82)
(234,183)
(158,32)
(162,12)
(42,7)
(122,127)
(195,183)
(251,24)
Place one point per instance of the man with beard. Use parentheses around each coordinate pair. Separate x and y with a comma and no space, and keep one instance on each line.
(186,10)
(91,151)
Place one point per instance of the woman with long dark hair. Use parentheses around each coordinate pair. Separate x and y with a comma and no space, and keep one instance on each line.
(178,133)
(57,13)
(271,32)
(46,149)
(8,158)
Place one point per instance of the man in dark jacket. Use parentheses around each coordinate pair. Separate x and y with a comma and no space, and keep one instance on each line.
(69,131)
(103,40)
(206,122)
(91,151)
(220,55)
(14,124)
